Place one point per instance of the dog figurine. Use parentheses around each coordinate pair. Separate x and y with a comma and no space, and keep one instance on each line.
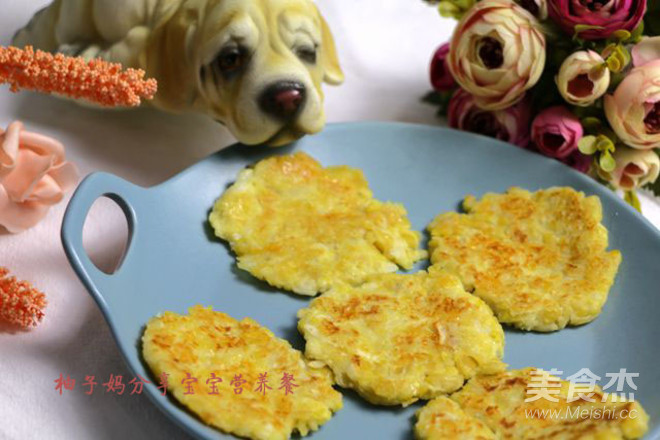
(254,65)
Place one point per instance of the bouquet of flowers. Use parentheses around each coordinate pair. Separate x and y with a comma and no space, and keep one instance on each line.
(575,80)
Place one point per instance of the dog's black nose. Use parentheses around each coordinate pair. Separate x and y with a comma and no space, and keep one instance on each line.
(283,99)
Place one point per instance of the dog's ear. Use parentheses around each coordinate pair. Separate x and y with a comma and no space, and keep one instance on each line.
(332,73)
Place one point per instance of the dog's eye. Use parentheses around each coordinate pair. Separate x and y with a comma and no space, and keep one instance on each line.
(307,54)
(231,59)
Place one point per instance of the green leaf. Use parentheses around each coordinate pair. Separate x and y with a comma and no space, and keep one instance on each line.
(584,27)
(654,187)
(449,10)
(607,50)
(581,112)
(587,145)
(621,34)
(591,123)
(432,97)
(631,198)
(454,8)
(614,64)
(617,57)
(637,33)
(439,99)
(604,144)
(464,4)
(607,162)
(615,80)
(627,58)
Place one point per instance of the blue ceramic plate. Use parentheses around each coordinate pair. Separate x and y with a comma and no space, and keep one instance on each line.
(173,261)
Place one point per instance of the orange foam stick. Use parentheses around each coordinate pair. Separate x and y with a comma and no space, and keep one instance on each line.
(20,303)
(97,81)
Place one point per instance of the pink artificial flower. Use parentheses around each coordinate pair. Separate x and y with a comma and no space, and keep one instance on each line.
(604,16)
(580,81)
(510,124)
(646,51)
(33,176)
(634,168)
(556,132)
(497,53)
(441,77)
(578,161)
(633,110)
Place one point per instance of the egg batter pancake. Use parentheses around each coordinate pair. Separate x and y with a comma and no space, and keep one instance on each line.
(302,227)
(443,419)
(398,338)
(498,401)
(538,259)
(206,345)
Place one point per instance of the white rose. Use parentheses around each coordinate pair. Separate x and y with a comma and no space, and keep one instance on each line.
(634,168)
(497,53)
(583,78)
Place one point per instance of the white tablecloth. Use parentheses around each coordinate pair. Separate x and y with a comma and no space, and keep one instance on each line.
(384,46)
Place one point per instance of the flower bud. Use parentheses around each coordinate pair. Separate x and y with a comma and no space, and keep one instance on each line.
(583,78)
(441,78)
(634,168)
(556,132)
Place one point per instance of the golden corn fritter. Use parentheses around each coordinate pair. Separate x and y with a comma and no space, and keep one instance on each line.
(302,227)
(399,338)
(443,419)
(205,342)
(498,401)
(538,259)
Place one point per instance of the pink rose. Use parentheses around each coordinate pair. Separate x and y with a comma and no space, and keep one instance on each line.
(646,51)
(497,53)
(441,78)
(556,132)
(606,16)
(578,161)
(33,177)
(633,111)
(510,125)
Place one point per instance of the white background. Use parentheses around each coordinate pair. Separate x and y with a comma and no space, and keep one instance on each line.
(384,47)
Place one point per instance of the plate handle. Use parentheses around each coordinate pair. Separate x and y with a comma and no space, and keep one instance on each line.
(90,189)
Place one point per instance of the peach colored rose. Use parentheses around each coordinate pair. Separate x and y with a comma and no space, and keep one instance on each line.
(645,51)
(497,53)
(583,78)
(634,168)
(633,111)
(33,176)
